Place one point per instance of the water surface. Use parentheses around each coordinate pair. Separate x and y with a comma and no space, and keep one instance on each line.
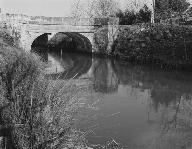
(138,106)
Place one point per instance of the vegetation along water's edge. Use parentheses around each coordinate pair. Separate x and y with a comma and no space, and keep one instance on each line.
(165,45)
(36,112)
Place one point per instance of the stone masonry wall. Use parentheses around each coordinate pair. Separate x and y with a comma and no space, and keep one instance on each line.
(19,26)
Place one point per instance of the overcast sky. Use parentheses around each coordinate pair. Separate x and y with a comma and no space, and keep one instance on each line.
(47,7)
(37,7)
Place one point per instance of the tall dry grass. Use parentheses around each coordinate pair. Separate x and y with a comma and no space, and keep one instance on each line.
(37,112)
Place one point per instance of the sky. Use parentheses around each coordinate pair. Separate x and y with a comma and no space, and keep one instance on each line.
(37,7)
(49,7)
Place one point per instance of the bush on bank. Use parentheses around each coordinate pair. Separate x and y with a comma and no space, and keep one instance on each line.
(9,34)
(36,112)
(159,44)
(6,38)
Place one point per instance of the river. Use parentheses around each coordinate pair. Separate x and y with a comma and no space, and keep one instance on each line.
(138,106)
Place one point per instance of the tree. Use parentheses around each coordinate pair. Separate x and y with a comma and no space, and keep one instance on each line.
(104,8)
(94,8)
(162,5)
(178,5)
(164,8)
(79,9)
(130,17)
(126,18)
(144,15)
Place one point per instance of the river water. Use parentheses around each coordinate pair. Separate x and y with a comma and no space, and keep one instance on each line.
(138,106)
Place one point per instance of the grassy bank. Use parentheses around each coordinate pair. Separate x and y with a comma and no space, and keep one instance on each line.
(35,112)
(165,45)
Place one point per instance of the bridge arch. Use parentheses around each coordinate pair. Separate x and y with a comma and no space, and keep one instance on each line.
(80,41)
(40,40)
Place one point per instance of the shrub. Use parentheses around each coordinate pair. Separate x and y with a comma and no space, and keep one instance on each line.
(157,43)
(9,34)
(6,38)
(35,111)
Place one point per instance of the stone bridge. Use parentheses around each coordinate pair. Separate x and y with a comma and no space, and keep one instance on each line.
(43,28)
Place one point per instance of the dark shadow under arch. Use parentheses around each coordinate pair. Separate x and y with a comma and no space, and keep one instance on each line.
(83,44)
(40,41)
(80,42)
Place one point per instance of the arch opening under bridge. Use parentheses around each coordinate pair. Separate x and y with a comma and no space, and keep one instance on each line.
(67,41)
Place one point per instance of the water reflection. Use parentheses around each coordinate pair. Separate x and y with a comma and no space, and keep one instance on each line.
(141,107)
(164,86)
(65,65)
(147,101)
(104,77)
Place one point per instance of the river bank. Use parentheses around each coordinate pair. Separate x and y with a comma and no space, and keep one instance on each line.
(163,45)
(39,111)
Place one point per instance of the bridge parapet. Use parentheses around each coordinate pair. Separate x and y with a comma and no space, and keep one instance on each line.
(61,20)
(58,28)
(58,20)
(74,21)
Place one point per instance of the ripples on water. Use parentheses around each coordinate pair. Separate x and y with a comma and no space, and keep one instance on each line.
(140,107)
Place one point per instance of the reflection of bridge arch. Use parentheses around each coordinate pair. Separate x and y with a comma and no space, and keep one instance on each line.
(82,43)
(80,65)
